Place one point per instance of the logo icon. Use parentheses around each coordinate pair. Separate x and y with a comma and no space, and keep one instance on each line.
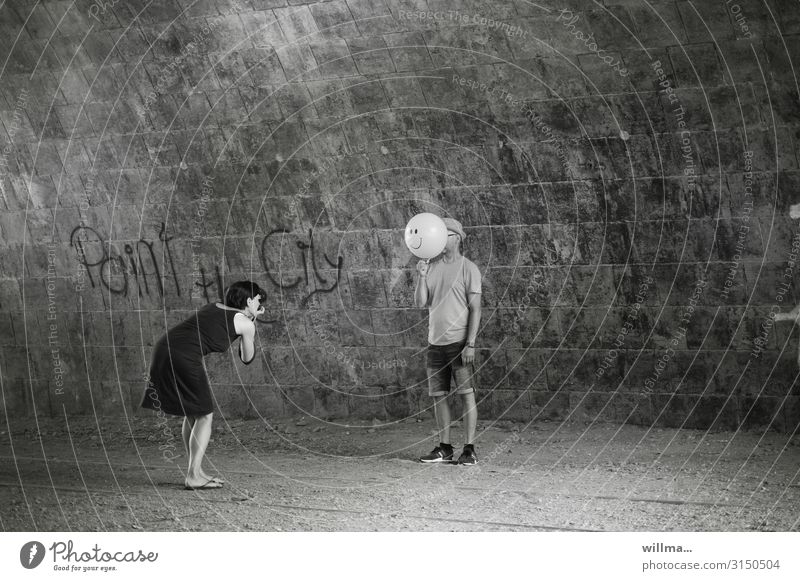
(31,555)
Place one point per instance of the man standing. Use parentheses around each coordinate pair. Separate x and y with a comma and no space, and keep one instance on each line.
(451,289)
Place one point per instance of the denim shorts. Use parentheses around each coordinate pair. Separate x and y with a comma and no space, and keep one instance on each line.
(444,364)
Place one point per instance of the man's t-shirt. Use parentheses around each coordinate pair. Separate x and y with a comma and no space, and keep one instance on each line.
(448,285)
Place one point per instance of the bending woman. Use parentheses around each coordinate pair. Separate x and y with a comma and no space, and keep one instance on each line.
(178,384)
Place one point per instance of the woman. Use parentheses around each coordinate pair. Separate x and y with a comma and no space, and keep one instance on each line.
(178,384)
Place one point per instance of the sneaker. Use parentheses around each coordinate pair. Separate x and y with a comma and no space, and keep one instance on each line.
(438,454)
(468,457)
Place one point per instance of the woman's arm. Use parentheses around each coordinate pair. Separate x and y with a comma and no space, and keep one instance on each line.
(246,329)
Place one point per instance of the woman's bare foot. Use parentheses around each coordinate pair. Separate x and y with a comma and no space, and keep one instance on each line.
(205,476)
(202,483)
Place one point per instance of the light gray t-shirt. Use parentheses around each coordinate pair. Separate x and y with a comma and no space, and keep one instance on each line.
(448,303)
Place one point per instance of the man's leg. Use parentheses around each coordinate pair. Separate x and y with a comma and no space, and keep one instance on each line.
(438,386)
(441,409)
(464,376)
(444,451)
(470,417)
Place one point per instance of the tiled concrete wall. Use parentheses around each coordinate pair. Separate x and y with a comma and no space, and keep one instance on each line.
(624,171)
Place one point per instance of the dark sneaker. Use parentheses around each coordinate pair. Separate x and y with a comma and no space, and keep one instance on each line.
(468,457)
(438,454)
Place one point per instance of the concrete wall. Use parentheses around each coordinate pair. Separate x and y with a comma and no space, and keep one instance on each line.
(624,173)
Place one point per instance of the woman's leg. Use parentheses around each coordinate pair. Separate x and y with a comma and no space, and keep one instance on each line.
(198,442)
(186,432)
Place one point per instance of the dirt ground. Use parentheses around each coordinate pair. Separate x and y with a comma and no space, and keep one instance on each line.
(300,474)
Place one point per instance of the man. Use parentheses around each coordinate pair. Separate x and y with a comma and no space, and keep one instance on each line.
(451,289)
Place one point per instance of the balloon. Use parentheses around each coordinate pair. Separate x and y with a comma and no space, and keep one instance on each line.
(426,235)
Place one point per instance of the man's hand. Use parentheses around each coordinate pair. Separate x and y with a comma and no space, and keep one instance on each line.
(422,267)
(468,355)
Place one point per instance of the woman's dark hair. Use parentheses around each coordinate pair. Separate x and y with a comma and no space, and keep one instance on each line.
(237,294)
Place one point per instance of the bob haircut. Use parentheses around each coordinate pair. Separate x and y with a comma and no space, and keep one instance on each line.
(236,295)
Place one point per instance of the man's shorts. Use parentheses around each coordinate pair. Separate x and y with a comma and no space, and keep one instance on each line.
(444,364)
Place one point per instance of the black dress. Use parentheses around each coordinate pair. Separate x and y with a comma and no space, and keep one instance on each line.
(178,384)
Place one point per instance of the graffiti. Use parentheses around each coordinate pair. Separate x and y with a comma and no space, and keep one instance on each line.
(206,285)
(137,266)
(308,259)
(115,271)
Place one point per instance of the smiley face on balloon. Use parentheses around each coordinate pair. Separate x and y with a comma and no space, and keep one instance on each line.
(426,235)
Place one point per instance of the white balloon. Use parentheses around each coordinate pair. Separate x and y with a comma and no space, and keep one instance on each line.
(426,235)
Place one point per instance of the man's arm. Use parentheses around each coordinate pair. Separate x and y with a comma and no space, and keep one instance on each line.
(421,289)
(473,324)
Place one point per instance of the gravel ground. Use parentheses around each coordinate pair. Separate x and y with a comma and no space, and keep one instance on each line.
(300,474)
